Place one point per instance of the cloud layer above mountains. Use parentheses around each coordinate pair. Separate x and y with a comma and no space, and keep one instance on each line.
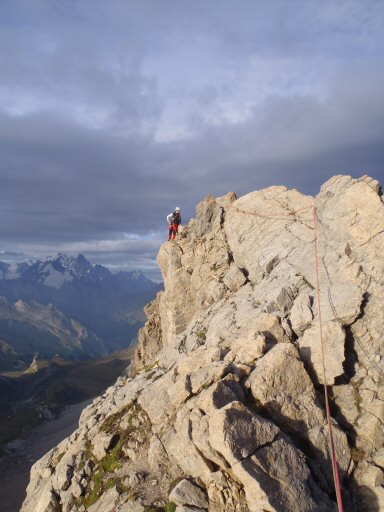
(112,113)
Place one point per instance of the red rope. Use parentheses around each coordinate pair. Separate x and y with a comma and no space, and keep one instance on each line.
(282,214)
(335,467)
(271,215)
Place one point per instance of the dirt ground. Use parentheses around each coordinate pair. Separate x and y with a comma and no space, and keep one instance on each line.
(14,470)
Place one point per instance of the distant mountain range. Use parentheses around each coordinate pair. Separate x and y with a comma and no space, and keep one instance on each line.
(57,271)
(65,305)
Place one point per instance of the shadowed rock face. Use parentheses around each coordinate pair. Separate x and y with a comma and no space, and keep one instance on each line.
(224,410)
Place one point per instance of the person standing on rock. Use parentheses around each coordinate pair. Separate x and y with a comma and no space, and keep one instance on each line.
(174,220)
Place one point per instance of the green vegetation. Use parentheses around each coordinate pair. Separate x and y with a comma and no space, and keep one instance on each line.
(151,366)
(95,493)
(104,471)
(102,481)
(169,507)
(59,457)
(111,461)
(202,335)
(111,482)
(111,424)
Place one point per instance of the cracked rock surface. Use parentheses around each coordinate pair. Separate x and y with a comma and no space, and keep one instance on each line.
(223,410)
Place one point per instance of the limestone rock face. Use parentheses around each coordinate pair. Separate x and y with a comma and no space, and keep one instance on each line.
(223,410)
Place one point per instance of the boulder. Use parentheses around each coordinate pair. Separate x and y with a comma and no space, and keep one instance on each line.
(312,350)
(247,349)
(378,458)
(340,301)
(200,437)
(347,399)
(180,447)
(131,506)
(62,477)
(282,386)
(48,500)
(107,503)
(207,375)
(301,313)
(369,475)
(187,493)
(101,444)
(218,395)
(234,278)
(236,433)
(276,478)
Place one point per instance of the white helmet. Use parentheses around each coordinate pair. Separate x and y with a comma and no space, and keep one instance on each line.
(177,209)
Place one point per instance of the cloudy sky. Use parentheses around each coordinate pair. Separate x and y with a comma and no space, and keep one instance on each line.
(113,112)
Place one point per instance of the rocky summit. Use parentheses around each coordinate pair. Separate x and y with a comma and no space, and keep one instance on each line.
(223,409)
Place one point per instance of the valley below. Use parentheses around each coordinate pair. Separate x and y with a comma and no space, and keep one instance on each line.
(15,468)
(27,399)
(44,409)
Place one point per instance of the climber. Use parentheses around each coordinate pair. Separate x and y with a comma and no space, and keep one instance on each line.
(174,220)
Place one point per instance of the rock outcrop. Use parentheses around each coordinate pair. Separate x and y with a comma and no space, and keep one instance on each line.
(224,408)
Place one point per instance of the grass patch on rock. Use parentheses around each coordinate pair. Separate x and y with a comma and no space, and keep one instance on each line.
(112,423)
(169,507)
(96,490)
(125,427)
(151,366)
(202,335)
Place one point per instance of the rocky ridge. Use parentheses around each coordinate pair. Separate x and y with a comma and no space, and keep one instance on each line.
(223,410)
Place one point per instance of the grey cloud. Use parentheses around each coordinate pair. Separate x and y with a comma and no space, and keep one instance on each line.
(87,87)
(75,184)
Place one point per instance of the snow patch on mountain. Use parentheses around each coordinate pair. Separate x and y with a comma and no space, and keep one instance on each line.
(55,271)
(12,270)
(56,278)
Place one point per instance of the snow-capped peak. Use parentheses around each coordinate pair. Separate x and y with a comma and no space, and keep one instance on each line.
(51,271)
(13,270)
(56,270)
